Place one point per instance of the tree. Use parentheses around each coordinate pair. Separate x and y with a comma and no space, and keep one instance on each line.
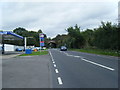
(105,37)
(21,31)
(40,31)
(89,37)
(78,39)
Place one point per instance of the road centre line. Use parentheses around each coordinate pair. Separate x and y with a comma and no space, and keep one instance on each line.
(98,64)
(56,70)
(54,65)
(60,81)
(51,56)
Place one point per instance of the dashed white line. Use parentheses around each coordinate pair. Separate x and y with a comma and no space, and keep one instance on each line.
(54,65)
(98,64)
(51,56)
(56,70)
(77,56)
(53,60)
(60,81)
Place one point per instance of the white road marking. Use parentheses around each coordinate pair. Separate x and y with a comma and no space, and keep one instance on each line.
(56,70)
(53,60)
(60,81)
(54,65)
(77,56)
(69,55)
(106,67)
(99,64)
(51,56)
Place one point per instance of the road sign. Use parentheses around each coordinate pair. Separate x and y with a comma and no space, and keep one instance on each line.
(41,37)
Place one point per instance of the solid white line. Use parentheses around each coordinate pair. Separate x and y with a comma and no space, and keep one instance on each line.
(99,65)
(56,70)
(54,65)
(60,81)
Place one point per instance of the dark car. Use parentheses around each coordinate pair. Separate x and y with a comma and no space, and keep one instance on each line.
(18,49)
(63,48)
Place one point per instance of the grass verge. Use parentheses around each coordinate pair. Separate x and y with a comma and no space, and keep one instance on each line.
(98,51)
(35,53)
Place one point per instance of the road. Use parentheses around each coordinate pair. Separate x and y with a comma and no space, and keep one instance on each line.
(72,69)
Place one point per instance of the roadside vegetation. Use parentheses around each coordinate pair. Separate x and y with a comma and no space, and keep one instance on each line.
(36,53)
(98,51)
(102,40)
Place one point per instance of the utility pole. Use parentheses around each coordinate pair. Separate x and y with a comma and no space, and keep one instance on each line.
(3,47)
(25,43)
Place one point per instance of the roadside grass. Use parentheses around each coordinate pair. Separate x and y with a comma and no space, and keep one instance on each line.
(35,53)
(99,51)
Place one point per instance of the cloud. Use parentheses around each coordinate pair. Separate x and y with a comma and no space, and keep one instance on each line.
(54,17)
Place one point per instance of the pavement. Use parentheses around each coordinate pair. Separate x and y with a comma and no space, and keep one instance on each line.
(10,54)
(26,72)
(72,69)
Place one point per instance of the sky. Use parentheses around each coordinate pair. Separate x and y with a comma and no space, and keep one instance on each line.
(54,17)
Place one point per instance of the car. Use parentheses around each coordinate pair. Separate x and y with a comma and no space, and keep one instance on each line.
(34,49)
(63,48)
(18,49)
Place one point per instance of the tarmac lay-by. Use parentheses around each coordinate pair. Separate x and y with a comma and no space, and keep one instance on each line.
(26,72)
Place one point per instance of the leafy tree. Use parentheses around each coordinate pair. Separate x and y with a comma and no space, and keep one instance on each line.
(21,31)
(75,33)
(88,36)
(106,36)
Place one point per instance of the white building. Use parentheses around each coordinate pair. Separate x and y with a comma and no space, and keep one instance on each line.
(9,47)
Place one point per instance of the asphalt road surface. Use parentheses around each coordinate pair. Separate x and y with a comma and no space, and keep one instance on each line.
(60,69)
(26,72)
(81,70)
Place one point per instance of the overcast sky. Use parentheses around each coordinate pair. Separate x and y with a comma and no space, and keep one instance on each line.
(54,17)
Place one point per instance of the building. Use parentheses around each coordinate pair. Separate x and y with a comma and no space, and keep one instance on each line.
(8,36)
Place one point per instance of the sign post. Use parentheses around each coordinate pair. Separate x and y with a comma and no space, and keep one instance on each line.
(41,37)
